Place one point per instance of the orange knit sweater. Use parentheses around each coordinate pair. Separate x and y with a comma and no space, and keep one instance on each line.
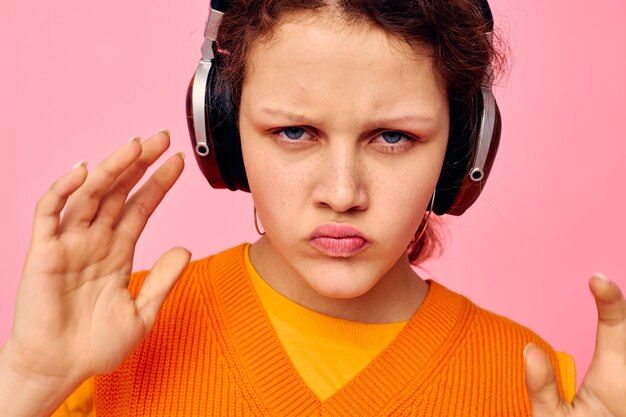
(213,352)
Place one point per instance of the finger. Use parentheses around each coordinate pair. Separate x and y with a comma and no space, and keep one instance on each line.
(541,383)
(159,283)
(611,331)
(83,204)
(114,199)
(49,207)
(142,204)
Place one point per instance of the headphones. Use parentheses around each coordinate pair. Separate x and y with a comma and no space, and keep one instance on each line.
(212,124)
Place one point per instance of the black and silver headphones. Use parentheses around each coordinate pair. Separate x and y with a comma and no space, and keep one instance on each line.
(215,137)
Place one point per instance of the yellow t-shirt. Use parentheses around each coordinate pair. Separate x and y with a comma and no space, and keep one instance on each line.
(326,351)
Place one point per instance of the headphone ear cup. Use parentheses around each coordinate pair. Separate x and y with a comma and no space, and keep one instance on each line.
(222,165)
(206,160)
(470,190)
(224,132)
(458,156)
(456,191)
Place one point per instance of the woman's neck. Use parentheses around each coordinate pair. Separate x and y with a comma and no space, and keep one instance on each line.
(395,297)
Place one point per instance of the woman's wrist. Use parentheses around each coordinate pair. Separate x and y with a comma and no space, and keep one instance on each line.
(24,392)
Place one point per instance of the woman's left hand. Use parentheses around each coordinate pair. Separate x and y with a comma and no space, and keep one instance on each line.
(603,391)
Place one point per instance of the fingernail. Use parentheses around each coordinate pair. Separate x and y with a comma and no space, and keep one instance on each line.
(181,154)
(528,346)
(79,164)
(134,138)
(601,276)
(166,131)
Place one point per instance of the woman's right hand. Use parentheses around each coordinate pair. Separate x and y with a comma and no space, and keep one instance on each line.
(74,315)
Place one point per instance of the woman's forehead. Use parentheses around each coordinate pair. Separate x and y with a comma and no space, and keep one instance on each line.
(320,62)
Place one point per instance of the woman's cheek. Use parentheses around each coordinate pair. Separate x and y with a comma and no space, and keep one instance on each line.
(277,195)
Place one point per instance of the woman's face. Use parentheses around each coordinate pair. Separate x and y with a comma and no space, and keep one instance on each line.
(340,126)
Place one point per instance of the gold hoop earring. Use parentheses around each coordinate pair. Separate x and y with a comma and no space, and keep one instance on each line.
(417,237)
(256,225)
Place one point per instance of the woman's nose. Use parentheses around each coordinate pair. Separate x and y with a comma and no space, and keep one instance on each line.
(341,182)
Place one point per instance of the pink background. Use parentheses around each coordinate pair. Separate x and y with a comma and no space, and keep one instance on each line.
(80,77)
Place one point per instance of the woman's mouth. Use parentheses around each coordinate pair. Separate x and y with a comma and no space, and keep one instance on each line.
(338,240)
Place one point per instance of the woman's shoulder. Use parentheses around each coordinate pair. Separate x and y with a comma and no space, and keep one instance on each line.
(497,342)
(195,295)
(204,269)
(490,327)
(494,330)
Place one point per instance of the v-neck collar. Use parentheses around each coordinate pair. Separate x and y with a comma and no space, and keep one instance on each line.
(404,367)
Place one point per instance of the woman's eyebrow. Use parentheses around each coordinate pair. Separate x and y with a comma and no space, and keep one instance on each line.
(285,114)
(409,118)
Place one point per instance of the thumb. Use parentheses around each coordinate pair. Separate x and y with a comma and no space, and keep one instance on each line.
(611,332)
(541,383)
(159,283)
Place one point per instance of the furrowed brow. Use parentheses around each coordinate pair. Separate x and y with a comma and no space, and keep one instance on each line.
(391,120)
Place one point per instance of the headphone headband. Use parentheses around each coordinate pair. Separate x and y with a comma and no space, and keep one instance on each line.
(220,5)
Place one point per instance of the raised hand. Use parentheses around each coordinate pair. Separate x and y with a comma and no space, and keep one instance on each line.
(603,390)
(74,315)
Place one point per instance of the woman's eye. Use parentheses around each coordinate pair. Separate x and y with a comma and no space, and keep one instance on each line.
(394,142)
(392,137)
(293,133)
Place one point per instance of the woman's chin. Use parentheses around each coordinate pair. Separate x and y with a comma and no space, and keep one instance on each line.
(338,286)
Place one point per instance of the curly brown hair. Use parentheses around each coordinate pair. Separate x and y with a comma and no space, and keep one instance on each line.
(454,30)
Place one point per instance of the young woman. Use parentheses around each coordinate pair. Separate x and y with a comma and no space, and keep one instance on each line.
(353,117)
